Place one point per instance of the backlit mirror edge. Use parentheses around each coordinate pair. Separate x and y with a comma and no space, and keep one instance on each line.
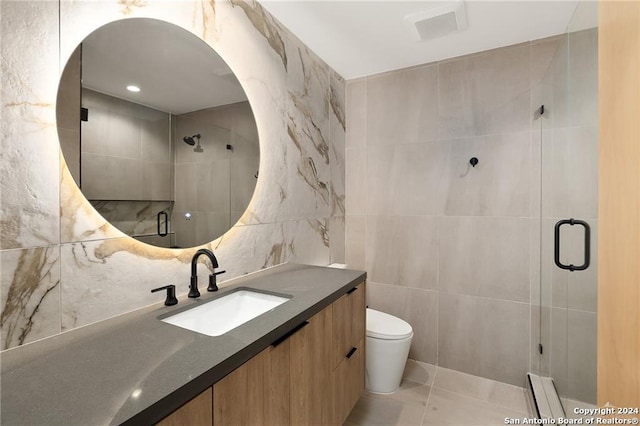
(86,219)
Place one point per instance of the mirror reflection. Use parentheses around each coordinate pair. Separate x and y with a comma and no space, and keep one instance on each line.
(158,133)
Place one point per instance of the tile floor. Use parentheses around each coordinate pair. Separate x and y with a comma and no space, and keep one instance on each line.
(431,395)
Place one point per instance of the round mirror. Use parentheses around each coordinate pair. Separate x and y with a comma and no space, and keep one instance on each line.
(158,133)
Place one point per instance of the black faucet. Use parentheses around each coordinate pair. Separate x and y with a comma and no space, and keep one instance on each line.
(193,287)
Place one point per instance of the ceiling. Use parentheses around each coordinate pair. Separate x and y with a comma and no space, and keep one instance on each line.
(360,38)
(179,73)
(176,71)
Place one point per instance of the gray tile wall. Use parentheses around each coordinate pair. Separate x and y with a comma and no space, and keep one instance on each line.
(453,249)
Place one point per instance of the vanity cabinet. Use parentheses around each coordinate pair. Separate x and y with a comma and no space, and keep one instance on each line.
(196,412)
(310,369)
(257,393)
(314,375)
(349,326)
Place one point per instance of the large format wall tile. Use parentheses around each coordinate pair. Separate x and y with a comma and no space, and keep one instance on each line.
(570,172)
(484,337)
(402,106)
(403,179)
(500,185)
(558,348)
(418,307)
(29,294)
(583,71)
(548,82)
(356,181)
(29,176)
(485,93)
(337,155)
(486,257)
(581,357)
(356,113)
(355,244)
(403,250)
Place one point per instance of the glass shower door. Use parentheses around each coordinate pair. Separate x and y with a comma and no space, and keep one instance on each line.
(568,147)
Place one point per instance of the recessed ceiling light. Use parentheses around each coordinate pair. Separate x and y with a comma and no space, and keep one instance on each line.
(133,88)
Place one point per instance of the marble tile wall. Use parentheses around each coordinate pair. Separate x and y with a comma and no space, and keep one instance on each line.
(455,249)
(63,265)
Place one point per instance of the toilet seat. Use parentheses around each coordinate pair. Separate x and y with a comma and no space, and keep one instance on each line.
(386,327)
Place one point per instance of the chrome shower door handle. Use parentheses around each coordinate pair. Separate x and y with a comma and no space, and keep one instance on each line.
(587,244)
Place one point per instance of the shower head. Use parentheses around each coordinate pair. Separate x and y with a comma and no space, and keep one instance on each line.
(189,140)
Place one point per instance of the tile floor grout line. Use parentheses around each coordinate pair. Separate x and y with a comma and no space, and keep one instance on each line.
(479,399)
(431,386)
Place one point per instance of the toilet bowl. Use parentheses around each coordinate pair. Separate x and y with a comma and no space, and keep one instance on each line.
(388,343)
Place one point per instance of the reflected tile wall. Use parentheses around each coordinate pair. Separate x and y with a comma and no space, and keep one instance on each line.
(423,220)
(296,213)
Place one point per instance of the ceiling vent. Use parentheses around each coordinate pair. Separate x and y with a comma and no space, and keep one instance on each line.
(439,21)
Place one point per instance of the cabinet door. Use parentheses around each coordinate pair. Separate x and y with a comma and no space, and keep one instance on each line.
(196,412)
(311,372)
(348,381)
(348,322)
(256,393)
(238,398)
(276,384)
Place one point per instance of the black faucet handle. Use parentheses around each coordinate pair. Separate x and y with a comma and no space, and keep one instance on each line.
(213,286)
(193,288)
(171,294)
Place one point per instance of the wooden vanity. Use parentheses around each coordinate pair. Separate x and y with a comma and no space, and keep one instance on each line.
(312,375)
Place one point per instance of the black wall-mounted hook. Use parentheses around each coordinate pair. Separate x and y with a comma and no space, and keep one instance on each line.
(473,161)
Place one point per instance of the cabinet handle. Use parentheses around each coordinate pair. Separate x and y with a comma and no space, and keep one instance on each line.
(290,333)
(351,352)
(352,290)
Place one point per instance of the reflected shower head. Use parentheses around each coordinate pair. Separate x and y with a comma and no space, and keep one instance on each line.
(190,141)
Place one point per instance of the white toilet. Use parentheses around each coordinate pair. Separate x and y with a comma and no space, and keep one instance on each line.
(388,343)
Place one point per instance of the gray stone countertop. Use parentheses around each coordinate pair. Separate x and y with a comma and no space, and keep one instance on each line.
(136,369)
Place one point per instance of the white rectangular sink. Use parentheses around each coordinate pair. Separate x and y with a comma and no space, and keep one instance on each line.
(226,313)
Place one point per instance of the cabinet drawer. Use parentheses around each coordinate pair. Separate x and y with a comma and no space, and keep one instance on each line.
(348,322)
(348,381)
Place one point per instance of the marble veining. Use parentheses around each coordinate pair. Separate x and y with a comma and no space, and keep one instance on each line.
(33,282)
(129,5)
(297,210)
(265,25)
